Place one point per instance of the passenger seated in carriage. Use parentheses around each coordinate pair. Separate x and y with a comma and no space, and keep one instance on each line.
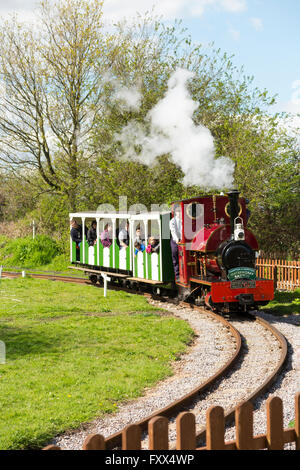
(153,245)
(92,234)
(138,246)
(138,235)
(106,236)
(76,236)
(123,236)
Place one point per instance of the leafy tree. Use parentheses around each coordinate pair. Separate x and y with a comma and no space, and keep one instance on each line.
(61,112)
(50,76)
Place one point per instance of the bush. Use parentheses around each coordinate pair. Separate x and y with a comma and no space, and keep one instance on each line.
(26,252)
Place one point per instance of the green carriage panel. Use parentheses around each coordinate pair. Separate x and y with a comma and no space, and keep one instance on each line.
(95,253)
(73,257)
(86,253)
(149,263)
(117,248)
(111,256)
(100,253)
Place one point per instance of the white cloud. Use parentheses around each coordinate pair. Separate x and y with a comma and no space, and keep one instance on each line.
(117,9)
(234,5)
(257,23)
(293,105)
(169,9)
(292,122)
(17,5)
(234,33)
(25,11)
(296,94)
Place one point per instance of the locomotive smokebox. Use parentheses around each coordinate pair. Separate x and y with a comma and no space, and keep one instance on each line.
(234,208)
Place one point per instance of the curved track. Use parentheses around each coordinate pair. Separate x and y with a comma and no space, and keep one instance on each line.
(179,405)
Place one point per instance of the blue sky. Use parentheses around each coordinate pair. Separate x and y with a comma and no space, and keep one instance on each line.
(264,35)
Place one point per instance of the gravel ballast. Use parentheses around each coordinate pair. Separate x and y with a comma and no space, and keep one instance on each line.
(212,348)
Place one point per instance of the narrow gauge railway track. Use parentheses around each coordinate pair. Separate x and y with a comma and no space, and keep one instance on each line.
(170,411)
(269,378)
(187,400)
(52,277)
(196,397)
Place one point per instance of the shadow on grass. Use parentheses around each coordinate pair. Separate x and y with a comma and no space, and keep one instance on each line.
(21,342)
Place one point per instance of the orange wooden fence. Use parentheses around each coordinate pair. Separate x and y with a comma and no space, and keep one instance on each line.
(274,439)
(286,274)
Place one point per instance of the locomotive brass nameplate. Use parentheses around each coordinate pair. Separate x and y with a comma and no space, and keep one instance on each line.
(241,273)
(243,284)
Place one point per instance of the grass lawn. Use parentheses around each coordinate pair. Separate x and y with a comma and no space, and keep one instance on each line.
(284,303)
(72,355)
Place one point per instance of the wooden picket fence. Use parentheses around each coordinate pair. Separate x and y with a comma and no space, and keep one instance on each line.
(274,439)
(286,274)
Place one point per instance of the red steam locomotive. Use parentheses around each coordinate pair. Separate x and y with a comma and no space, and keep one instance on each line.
(217,255)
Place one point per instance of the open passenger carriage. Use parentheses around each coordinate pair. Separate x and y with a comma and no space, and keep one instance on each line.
(128,263)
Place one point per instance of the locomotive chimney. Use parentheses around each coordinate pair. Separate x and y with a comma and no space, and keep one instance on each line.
(234,208)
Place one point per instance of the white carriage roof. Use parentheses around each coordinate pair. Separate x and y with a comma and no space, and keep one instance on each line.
(117,215)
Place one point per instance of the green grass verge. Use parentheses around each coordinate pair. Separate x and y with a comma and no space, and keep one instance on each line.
(73,355)
(284,303)
(28,253)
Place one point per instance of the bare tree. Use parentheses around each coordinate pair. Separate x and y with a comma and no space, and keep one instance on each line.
(51,92)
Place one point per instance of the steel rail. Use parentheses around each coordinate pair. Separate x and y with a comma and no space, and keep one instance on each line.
(229,416)
(174,408)
(54,277)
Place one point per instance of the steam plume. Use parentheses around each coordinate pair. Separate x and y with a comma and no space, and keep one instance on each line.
(173,131)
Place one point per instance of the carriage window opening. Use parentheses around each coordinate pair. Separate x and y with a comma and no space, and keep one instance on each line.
(123,235)
(153,244)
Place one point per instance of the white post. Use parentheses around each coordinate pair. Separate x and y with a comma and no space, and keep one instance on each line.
(23,274)
(160,244)
(83,239)
(33,229)
(105,278)
(71,245)
(131,242)
(113,241)
(98,240)
(146,241)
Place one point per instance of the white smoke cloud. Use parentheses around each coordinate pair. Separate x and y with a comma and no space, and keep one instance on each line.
(173,131)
